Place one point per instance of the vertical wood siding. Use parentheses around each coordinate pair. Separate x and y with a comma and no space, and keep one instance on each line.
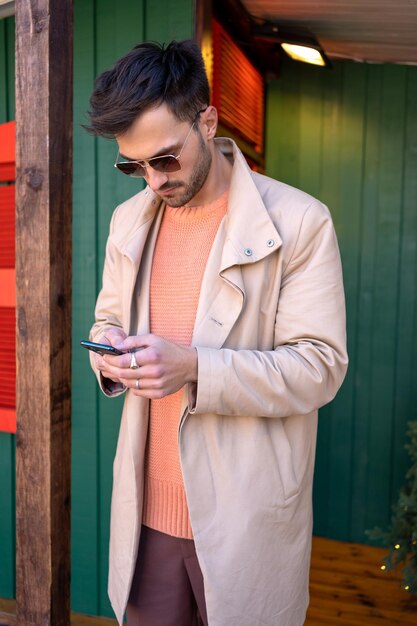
(104,31)
(349,137)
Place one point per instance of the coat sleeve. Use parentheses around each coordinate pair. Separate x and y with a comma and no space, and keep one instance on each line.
(108,312)
(309,360)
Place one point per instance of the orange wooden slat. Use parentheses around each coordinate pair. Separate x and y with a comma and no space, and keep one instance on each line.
(238,89)
(8,420)
(7,280)
(7,287)
(7,226)
(7,171)
(7,364)
(8,142)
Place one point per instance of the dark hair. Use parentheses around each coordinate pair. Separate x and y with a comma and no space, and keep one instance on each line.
(149,75)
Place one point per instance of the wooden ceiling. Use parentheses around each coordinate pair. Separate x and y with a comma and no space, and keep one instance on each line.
(380,31)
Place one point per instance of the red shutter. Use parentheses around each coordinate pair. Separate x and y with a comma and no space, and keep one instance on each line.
(237,90)
(7,279)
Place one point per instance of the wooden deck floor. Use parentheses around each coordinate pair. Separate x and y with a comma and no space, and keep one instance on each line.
(347,588)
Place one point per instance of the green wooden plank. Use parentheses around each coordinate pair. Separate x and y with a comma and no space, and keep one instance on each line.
(3,73)
(10,44)
(117,32)
(177,22)
(405,406)
(332,91)
(7,517)
(7,65)
(329,194)
(311,120)
(273,118)
(85,498)
(362,368)
(385,292)
(351,140)
(322,472)
(283,127)
(340,189)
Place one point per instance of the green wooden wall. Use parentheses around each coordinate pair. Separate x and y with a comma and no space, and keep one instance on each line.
(103,31)
(349,137)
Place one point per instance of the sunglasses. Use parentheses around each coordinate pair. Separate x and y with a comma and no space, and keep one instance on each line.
(165,163)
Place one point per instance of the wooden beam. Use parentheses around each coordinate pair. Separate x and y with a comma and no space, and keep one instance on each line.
(43,279)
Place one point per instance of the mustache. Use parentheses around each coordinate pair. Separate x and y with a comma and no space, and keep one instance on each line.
(170,185)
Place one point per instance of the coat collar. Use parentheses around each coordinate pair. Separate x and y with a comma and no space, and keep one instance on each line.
(250,233)
(131,233)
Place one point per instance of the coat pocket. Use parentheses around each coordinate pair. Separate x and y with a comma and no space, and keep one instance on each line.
(284,464)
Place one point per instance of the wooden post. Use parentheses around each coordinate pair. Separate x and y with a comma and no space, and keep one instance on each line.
(43,277)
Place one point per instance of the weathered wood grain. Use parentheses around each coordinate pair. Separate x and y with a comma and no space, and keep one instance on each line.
(43,278)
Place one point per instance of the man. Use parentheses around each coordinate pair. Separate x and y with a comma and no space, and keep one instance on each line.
(224,289)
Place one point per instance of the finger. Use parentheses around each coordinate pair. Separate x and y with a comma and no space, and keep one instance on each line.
(106,374)
(150,376)
(150,394)
(136,341)
(115,380)
(117,361)
(98,360)
(143,383)
(143,357)
(114,336)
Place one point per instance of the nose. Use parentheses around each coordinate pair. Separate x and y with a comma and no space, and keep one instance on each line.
(155,179)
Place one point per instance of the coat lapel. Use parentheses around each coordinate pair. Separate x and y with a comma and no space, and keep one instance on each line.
(221,299)
(246,235)
(136,244)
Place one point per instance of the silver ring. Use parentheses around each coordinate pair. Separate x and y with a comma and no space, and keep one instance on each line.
(137,383)
(133,364)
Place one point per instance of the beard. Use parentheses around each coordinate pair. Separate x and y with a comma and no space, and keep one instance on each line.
(197,179)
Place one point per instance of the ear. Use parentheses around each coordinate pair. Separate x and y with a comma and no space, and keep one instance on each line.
(209,121)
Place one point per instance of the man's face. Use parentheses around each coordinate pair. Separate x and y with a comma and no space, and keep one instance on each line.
(158,132)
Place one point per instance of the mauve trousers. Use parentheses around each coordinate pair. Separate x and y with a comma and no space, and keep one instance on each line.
(167,587)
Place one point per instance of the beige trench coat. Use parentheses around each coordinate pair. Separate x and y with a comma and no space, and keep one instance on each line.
(270,336)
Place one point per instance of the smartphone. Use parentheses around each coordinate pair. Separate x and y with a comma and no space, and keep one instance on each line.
(101,348)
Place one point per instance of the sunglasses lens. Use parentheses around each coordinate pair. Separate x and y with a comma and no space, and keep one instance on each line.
(131,169)
(165,164)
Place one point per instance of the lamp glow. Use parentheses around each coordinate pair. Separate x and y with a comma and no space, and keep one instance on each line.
(303,53)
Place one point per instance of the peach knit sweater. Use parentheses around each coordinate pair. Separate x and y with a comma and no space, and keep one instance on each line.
(184,241)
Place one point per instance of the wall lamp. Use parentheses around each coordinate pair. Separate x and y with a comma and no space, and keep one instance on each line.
(297,42)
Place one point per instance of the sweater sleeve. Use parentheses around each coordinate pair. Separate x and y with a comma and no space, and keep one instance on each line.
(309,360)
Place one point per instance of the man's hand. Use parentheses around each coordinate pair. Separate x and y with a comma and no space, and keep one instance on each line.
(112,337)
(164,366)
